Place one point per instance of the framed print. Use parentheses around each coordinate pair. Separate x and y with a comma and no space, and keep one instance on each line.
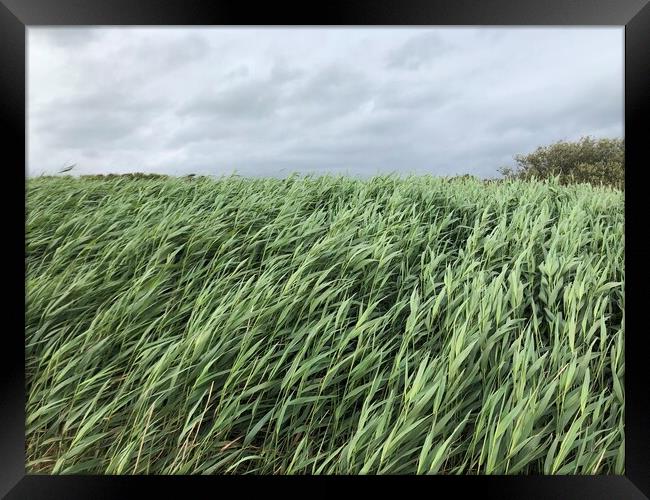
(355,242)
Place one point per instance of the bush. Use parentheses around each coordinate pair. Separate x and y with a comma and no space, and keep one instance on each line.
(593,161)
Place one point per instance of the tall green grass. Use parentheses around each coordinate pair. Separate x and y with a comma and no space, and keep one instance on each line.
(324,325)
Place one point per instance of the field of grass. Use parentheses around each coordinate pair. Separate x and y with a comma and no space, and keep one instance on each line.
(324,325)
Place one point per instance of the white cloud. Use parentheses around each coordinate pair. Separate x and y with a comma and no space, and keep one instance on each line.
(271,101)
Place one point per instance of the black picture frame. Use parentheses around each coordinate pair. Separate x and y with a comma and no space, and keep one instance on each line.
(17,15)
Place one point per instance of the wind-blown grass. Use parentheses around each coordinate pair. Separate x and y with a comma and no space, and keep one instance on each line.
(324,325)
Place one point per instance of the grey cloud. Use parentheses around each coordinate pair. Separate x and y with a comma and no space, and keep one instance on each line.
(144,61)
(187,50)
(333,82)
(418,51)
(329,94)
(67,38)
(249,100)
(97,118)
(110,99)
(240,71)
(431,97)
(283,73)
(219,129)
(595,106)
(168,55)
(248,106)
(356,101)
(82,131)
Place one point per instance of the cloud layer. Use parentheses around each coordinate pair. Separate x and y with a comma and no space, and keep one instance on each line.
(351,100)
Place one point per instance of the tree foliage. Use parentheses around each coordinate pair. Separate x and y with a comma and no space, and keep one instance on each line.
(588,160)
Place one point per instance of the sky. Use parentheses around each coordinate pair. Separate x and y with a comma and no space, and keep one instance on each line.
(355,101)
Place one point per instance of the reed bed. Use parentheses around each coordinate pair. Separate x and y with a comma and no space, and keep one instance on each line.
(324,325)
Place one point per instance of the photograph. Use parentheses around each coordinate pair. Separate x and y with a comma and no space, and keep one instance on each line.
(325,250)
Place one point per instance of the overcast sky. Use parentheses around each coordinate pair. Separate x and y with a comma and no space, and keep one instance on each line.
(349,100)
